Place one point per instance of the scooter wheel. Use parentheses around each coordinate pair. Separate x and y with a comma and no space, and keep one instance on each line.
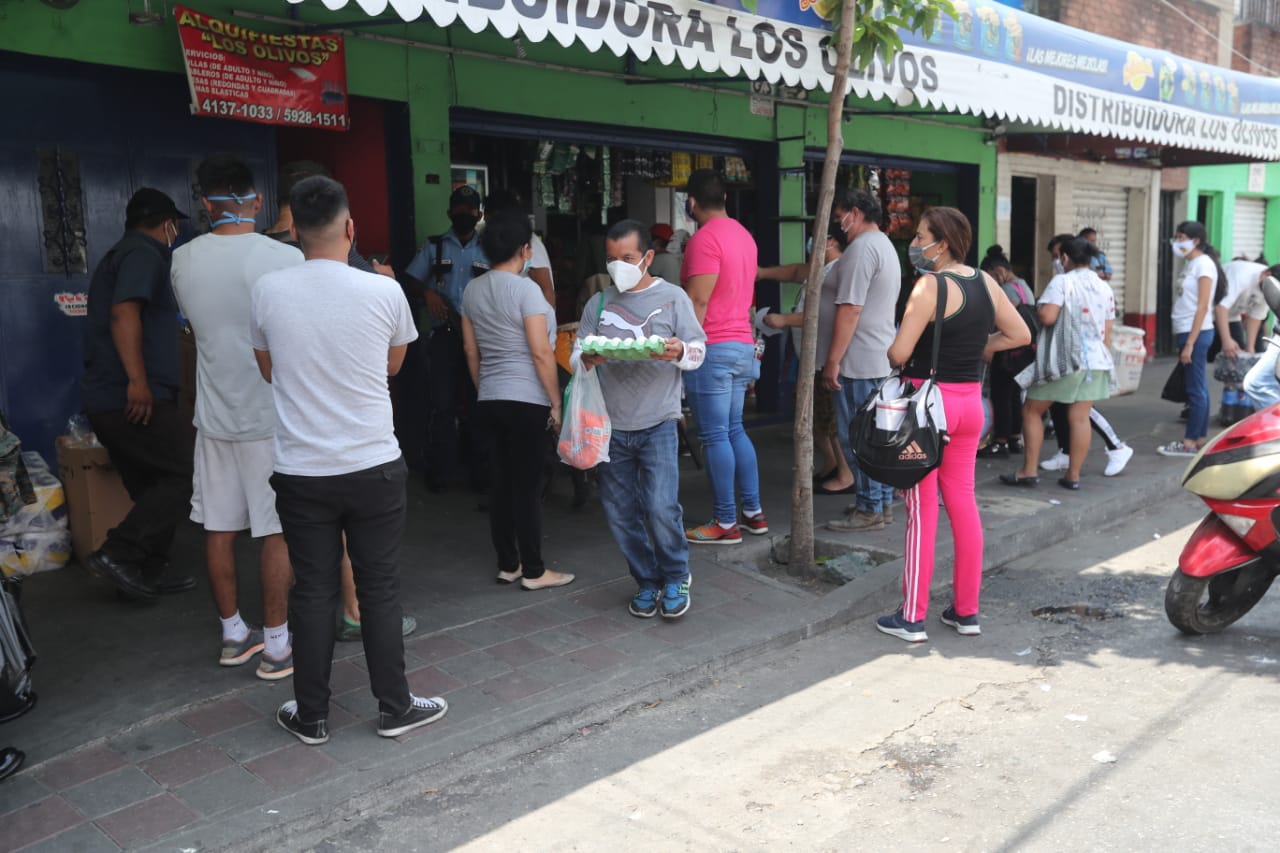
(1207,605)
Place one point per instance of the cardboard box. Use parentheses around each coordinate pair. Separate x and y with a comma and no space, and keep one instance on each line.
(96,498)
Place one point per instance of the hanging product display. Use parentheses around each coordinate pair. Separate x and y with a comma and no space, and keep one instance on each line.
(897,203)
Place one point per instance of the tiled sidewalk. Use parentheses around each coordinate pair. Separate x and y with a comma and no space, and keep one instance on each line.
(189,772)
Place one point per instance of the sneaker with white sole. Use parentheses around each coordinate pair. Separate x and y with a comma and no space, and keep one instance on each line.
(895,626)
(312,734)
(236,652)
(676,598)
(966,626)
(1058,462)
(1176,448)
(1117,459)
(270,669)
(421,711)
(644,603)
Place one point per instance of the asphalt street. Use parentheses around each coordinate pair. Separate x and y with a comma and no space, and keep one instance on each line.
(1079,720)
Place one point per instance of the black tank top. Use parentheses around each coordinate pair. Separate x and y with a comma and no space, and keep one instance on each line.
(964,334)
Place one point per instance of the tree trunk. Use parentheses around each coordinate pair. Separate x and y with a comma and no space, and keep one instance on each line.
(801,559)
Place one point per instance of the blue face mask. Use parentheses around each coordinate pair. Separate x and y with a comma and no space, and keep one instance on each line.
(227,217)
(808,246)
(528,265)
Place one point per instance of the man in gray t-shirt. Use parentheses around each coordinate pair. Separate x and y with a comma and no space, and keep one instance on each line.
(868,277)
(640,484)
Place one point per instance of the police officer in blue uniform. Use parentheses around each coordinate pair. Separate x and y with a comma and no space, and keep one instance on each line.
(442,270)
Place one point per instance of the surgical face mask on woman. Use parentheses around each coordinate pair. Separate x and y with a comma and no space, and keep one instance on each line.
(916,255)
(625,276)
(1182,248)
(1058,268)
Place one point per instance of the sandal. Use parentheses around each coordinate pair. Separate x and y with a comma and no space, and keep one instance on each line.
(820,489)
(1073,485)
(1015,480)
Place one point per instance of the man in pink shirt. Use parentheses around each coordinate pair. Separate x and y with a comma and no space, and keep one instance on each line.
(719,274)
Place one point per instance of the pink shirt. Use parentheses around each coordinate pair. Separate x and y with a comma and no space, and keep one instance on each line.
(723,248)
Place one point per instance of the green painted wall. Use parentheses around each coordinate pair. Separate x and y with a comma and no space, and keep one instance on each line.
(1223,184)
(433,81)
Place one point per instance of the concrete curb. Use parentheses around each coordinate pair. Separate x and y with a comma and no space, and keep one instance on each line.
(589,704)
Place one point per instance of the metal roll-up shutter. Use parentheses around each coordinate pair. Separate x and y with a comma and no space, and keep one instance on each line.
(1106,210)
(1249,229)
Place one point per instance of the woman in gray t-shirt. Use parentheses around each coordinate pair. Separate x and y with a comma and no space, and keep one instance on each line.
(507,334)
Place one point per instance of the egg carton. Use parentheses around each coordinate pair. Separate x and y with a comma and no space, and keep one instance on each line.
(634,349)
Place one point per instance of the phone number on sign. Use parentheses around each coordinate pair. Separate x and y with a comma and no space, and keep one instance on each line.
(266,112)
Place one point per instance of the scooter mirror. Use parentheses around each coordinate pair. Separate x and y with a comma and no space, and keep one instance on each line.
(1271,293)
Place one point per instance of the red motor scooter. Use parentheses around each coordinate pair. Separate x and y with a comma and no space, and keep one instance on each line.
(1234,555)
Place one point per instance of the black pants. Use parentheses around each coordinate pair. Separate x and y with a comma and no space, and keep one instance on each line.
(453,397)
(369,507)
(412,405)
(155,463)
(1006,404)
(1062,428)
(517,435)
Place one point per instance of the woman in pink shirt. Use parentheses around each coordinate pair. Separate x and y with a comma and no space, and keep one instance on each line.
(719,273)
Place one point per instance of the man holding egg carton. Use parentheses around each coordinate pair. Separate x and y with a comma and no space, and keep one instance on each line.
(641,334)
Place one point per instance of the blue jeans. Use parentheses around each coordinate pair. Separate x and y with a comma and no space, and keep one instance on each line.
(870,495)
(640,491)
(715,392)
(1260,383)
(1197,384)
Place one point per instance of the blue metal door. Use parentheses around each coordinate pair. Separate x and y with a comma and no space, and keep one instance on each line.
(113,131)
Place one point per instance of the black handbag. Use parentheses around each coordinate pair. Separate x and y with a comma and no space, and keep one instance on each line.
(1175,387)
(895,436)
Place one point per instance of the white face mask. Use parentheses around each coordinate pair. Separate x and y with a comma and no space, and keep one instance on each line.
(1182,248)
(1058,268)
(169,241)
(625,276)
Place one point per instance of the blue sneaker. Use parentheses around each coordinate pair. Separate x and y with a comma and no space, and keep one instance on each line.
(896,626)
(965,625)
(644,604)
(675,598)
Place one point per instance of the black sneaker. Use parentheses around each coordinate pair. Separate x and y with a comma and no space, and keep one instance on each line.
(964,625)
(994,451)
(421,711)
(895,626)
(312,734)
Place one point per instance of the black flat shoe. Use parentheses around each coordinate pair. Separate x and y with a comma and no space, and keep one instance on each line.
(818,479)
(1015,480)
(994,451)
(820,489)
(10,761)
(1073,485)
(1014,445)
(125,577)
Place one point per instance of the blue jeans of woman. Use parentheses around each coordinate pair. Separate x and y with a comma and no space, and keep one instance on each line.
(715,392)
(1197,384)
(640,492)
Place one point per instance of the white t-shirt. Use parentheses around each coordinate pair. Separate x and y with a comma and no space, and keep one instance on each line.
(213,278)
(1244,291)
(1187,294)
(540,259)
(1099,308)
(328,328)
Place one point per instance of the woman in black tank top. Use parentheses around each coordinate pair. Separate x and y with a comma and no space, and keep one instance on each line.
(975,305)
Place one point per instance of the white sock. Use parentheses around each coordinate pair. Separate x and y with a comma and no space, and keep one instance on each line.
(723,526)
(234,628)
(752,513)
(277,641)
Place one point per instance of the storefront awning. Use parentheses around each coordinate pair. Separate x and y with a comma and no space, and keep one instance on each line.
(991,60)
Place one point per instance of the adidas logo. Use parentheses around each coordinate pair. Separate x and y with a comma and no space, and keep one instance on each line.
(912,453)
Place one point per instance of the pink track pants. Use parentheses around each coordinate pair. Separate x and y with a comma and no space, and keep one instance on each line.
(963,404)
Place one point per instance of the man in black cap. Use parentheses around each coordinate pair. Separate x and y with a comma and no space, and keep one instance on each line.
(130,390)
(439,274)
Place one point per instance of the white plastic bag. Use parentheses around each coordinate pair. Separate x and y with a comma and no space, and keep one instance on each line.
(584,436)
